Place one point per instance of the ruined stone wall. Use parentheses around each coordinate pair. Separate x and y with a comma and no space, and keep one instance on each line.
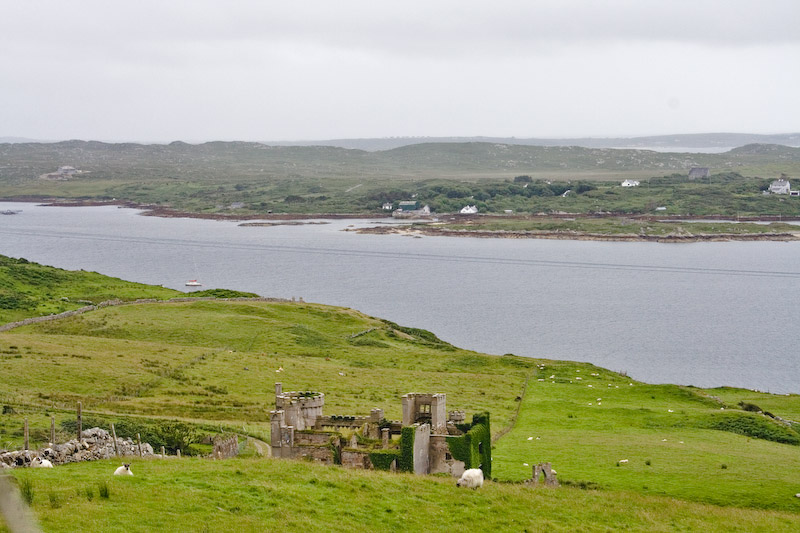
(422,437)
(311,452)
(309,437)
(440,459)
(356,459)
(226,448)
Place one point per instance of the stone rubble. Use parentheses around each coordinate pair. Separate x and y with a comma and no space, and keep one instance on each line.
(95,444)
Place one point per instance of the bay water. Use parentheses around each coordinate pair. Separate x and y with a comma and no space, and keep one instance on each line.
(704,314)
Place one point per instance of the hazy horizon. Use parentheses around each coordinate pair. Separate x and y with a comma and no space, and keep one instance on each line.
(16,139)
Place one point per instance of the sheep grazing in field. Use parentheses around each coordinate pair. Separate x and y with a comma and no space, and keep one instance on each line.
(124,470)
(41,463)
(472,478)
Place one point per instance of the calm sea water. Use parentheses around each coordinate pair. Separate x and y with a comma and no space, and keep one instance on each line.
(704,314)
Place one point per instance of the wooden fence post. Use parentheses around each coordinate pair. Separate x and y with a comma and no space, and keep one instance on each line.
(80,422)
(139,441)
(52,431)
(25,434)
(114,434)
(162,452)
(179,453)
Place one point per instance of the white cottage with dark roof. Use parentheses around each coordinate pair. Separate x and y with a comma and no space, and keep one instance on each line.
(780,186)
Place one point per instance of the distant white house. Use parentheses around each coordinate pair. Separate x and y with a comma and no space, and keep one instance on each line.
(780,186)
(630,183)
(469,210)
(387,206)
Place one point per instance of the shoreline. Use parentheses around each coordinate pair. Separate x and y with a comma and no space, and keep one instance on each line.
(432,231)
(576,236)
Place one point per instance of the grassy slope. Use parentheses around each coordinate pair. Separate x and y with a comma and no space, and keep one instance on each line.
(246,494)
(664,424)
(29,289)
(216,361)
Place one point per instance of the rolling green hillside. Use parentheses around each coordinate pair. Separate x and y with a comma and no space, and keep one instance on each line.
(213,363)
(29,289)
(628,454)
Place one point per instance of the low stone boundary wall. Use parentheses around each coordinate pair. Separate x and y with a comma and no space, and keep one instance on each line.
(95,443)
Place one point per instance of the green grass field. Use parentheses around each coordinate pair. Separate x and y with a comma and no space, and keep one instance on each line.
(629,454)
(251,494)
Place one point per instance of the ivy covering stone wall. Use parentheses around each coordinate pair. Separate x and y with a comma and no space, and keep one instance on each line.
(474,447)
(382,459)
(405,463)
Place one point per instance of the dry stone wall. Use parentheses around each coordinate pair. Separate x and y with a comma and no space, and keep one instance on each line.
(95,444)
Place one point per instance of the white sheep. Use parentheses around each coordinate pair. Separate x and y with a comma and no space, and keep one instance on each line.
(472,478)
(124,470)
(41,463)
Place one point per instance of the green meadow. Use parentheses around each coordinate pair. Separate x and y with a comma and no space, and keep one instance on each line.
(629,455)
(257,494)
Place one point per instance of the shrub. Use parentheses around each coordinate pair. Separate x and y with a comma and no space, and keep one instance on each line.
(755,426)
(221,293)
(175,436)
(750,407)
(361,341)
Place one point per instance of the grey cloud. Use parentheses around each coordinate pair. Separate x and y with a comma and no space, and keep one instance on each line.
(435,28)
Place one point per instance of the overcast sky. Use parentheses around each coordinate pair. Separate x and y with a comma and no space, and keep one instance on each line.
(265,70)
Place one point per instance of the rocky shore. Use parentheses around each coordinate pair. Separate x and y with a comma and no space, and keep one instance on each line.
(433,231)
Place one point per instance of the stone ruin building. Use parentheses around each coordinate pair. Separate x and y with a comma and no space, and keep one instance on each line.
(428,440)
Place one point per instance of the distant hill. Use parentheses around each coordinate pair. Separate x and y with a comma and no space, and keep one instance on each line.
(244,161)
(676,143)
